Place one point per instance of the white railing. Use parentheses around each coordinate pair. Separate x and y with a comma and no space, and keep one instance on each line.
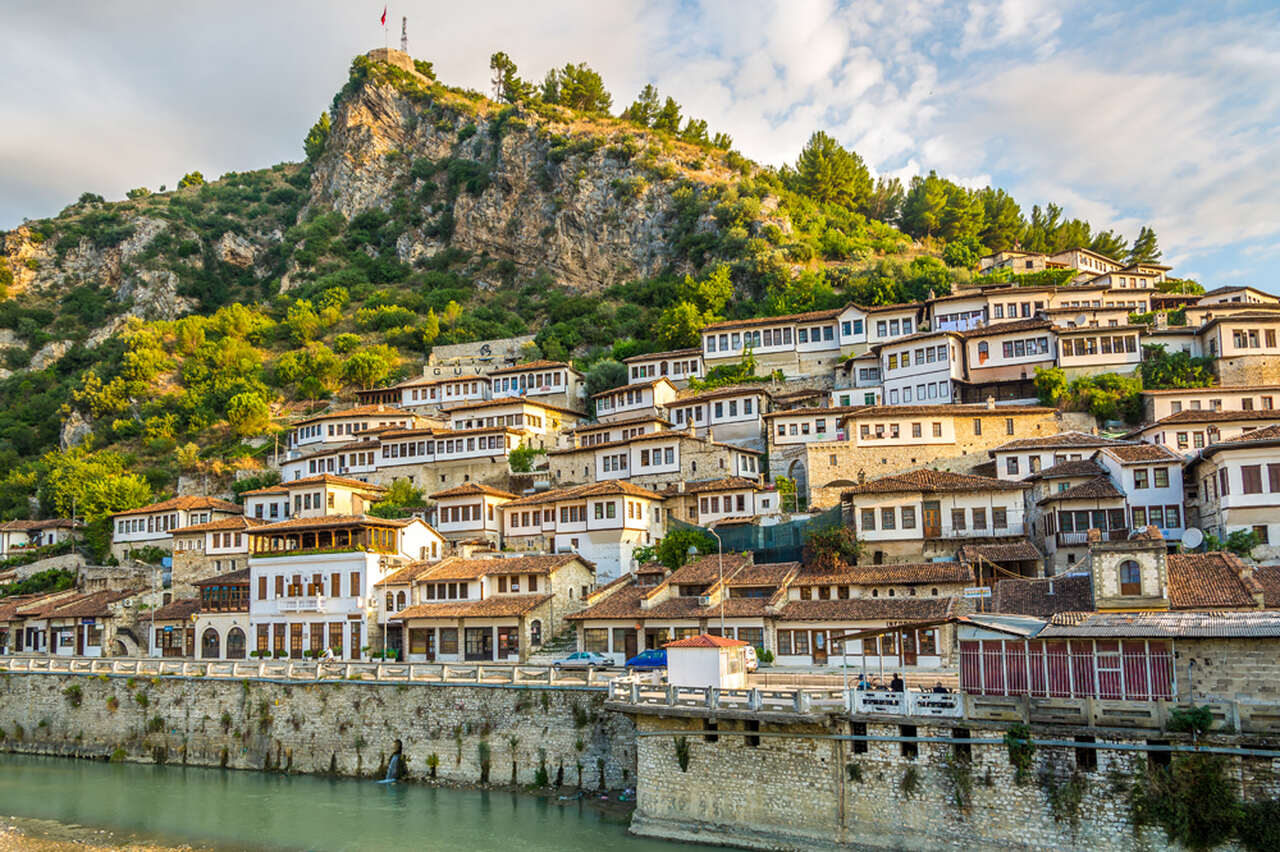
(485,674)
(650,691)
(315,603)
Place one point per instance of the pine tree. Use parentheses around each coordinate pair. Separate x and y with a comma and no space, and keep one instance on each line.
(1145,249)
(583,89)
(668,118)
(1003,223)
(885,201)
(830,174)
(1109,243)
(644,109)
(924,205)
(507,85)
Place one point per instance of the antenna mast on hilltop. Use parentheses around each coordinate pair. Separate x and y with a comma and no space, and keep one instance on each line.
(404,35)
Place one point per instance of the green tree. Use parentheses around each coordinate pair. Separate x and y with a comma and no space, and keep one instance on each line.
(191,179)
(1162,369)
(668,118)
(1109,243)
(830,174)
(249,414)
(549,92)
(884,203)
(695,131)
(369,366)
(1002,221)
(579,87)
(1051,385)
(644,109)
(723,141)
(401,495)
(831,548)
(924,205)
(605,374)
(430,328)
(1145,248)
(138,192)
(303,321)
(963,252)
(713,292)
(679,326)
(673,550)
(317,136)
(520,460)
(507,85)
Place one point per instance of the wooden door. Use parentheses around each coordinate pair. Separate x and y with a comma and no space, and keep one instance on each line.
(908,647)
(80,629)
(931,519)
(295,641)
(629,645)
(819,645)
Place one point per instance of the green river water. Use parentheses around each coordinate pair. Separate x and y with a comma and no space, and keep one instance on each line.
(248,810)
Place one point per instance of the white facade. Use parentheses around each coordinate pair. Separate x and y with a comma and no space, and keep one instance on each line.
(921,370)
(1153,489)
(677,365)
(634,400)
(899,517)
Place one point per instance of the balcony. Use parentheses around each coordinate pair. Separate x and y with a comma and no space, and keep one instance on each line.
(955,534)
(1076,539)
(316,603)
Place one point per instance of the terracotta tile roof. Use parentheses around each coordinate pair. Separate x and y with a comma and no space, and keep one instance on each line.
(182,503)
(179,610)
(239,522)
(27,525)
(935,482)
(1268,578)
(729,483)
(1007,328)
(904,574)
(407,574)
(358,411)
(636,386)
(1143,453)
(1205,416)
(868,609)
(1017,551)
(319,479)
(705,640)
(1212,389)
(325,521)
(809,316)
(897,412)
(231,578)
(1098,488)
(1044,597)
(899,306)
(987,468)
(1208,581)
(534,365)
(9,606)
(458,568)
(1074,467)
(617,424)
(580,492)
(622,603)
(473,489)
(1062,439)
(85,606)
(717,393)
(1263,436)
(707,569)
(670,353)
(498,606)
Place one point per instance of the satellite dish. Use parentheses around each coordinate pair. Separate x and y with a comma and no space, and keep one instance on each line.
(1192,538)
(1082,320)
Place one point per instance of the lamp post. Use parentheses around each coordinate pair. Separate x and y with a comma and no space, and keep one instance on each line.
(720,571)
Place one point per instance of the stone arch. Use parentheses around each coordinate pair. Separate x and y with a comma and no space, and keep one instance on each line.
(235,644)
(210,645)
(400,601)
(798,473)
(535,632)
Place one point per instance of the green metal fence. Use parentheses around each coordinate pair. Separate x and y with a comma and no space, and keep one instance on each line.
(783,542)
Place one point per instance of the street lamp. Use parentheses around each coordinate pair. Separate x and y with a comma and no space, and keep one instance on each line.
(720,548)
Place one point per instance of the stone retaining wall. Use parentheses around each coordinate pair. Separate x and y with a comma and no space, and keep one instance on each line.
(344,728)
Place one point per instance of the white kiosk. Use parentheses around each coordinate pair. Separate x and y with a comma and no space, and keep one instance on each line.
(707,660)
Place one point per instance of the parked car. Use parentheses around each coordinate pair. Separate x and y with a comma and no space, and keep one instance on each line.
(753,662)
(583,660)
(654,658)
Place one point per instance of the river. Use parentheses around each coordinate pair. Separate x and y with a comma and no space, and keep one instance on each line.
(226,809)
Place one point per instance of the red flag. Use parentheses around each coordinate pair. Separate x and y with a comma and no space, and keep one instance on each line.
(384,16)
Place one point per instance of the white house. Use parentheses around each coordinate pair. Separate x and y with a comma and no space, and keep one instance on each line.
(558,382)
(341,427)
(1022,457)
(604,522)
(1161,403)
(678,365)
(1088,351)
(471,511)
(922,369)
(311,497)
(707,660)
(734,498)
(1151,478)
(649,399)
(1191,430)
(1238,488)
(149,526)
(16,536)
(730,414)
(1001,360)
(311,579)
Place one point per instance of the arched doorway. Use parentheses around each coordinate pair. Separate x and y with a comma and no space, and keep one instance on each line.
(797,473)
(535,632)
(235,644)
(209,645)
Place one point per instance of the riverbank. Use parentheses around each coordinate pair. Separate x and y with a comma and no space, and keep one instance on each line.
(24,834)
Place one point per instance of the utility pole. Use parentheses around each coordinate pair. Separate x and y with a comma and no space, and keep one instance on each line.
(404,35)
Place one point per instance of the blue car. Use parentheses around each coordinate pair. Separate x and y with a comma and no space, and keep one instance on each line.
(654,658)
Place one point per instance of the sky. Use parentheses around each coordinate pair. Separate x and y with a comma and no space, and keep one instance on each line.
(1124,113)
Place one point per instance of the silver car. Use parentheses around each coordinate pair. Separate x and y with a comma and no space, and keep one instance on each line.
(583,660)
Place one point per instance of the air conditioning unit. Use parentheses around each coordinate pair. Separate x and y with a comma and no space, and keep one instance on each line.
(704,600)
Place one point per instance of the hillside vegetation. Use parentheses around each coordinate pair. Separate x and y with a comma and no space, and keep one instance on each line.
(169,334)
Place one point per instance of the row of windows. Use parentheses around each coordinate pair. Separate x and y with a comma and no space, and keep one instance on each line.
(893,430)
(158,523)
(675,368)
(463,514)
(532,420)
(819,427)
(314,586)
(732,502)
(1167,517)
(851,328)
(894,328)
(453,390)
(529,380)
(924,355)
(1024,348)
(621,398)
(1157,477)
(1249,338)
(1251,479)
(360,459)
(1014,310)
(1267,403)
(1106,345)
(662,455)
(924,391)
(889,518)
(605,510)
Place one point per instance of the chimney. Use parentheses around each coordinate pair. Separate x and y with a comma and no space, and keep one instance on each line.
(991,403)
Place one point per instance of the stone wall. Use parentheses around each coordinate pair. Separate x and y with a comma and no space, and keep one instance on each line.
(815,793)
(1248,370)
(344,727)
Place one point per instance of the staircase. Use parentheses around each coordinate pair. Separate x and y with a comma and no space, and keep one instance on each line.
(557,647)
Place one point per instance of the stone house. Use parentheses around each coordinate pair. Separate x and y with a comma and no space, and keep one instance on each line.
(678,365)
(222,626)
(150,526)
(207,550)
(69,623)
(1089,262)
(1023,457)
(882,439)
(17,536)
(170,629)
(857,381)
(1244,347)
(311,497)
(1238,488)
(500,608)
(1161,403)
(924,514)
(604,522)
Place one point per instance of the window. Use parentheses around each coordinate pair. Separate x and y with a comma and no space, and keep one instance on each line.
(1223,484)
(1160,476)
(1273,478)
(1130,578)
(977,426)
(979,519)
(937,430)
(999,518)
(957,519)
(1011,465)
(888,519)
(908,517)
(1140,478)
(868,519)
(1008,425)
(1251,475)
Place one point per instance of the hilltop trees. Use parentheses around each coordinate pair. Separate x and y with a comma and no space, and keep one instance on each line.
(313,145)
(1145,248)
(577,87)
(830,174)
(646,112)
(507,85)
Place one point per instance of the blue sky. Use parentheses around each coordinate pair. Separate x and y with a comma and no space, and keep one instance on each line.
(1124,113)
